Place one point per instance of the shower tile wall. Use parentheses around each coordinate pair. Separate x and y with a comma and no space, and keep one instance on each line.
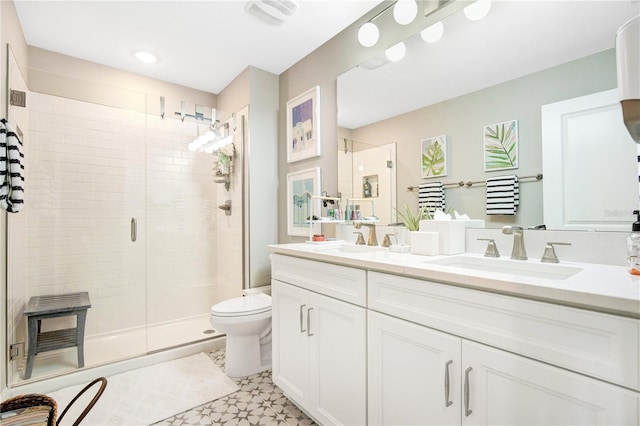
(91,169)
(181,223)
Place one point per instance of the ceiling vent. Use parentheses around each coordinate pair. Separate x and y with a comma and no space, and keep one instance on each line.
(274,12)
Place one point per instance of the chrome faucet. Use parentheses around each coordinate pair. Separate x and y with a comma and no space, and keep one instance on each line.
(372,240)
(518,252)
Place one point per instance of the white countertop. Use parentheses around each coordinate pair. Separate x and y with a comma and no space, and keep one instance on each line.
(603,288)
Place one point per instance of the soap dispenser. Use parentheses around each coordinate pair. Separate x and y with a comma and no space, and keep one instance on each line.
(633,246)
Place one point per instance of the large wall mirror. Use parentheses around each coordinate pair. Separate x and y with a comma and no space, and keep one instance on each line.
(523,56)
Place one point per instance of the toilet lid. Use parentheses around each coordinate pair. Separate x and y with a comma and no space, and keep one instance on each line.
(246,305)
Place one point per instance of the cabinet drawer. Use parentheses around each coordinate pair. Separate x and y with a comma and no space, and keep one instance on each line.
(596,344)
(340,282)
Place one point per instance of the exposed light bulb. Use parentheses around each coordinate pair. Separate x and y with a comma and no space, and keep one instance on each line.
(433,33)
(477,10)
(368,34)
(405,11)
(396,52)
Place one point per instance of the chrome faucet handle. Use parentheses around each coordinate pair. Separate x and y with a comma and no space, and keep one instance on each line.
(549,255)
(359,239)
(492,248)
(386,241)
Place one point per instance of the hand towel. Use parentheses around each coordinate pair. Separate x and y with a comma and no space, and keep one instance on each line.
(431,194)
(503,195)
(11,169)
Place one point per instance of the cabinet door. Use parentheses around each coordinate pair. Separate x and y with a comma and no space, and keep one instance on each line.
(414,374)
(290,341)
(338,355)
(506,389)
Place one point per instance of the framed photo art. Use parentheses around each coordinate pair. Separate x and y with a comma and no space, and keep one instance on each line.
(301,186)
(501,146)
(434,157)
(303,126)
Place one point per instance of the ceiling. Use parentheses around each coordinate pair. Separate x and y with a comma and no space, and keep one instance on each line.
(200,44)
(517,38)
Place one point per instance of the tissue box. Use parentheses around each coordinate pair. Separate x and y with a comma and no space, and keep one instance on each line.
(474,223)
(426,243)
(451,234)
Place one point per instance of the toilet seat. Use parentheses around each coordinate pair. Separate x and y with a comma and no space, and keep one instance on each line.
(242,306)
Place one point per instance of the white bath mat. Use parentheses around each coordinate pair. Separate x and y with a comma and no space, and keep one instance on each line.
(150,394)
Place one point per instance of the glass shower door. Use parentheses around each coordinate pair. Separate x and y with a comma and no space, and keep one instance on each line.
(85,193)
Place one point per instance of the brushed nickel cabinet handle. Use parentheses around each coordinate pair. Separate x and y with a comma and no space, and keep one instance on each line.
(309,333)
(134,229)
(467,411)
(302,330)
(447,384)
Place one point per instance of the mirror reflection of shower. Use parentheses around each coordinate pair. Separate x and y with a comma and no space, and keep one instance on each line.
(368,171)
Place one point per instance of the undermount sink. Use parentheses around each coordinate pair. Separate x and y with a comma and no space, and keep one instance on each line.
(349,248)
(530,268)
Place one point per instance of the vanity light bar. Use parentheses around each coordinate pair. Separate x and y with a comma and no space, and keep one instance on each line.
(469,184)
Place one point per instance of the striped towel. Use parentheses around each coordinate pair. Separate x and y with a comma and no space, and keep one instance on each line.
(503,195)
(11,169)
(431,194)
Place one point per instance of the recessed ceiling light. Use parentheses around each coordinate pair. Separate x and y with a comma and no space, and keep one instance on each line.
(146,57)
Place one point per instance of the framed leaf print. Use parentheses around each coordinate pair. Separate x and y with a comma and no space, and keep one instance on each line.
(501,146)
(303,125)
(434,157)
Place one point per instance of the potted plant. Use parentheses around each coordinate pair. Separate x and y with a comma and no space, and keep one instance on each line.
(411,221)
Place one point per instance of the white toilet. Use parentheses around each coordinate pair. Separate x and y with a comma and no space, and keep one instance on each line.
(247,323)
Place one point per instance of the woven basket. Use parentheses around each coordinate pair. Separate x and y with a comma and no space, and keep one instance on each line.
(32,400)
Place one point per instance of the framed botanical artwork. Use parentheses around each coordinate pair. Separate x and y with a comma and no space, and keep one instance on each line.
(301,186)
(303,126)
(434,157)
(501,146)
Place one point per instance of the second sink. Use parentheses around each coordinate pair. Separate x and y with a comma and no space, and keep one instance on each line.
(507,266)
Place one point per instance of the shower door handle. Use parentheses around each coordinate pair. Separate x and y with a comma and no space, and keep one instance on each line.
(134,229)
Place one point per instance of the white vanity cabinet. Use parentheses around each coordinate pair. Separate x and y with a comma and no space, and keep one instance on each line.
(419,375)
(356,346)
(319,339)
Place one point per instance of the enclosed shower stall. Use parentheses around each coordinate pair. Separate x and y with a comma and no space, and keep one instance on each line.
(117,206)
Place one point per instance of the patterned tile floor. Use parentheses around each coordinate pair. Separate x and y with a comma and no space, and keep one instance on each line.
(258,402)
